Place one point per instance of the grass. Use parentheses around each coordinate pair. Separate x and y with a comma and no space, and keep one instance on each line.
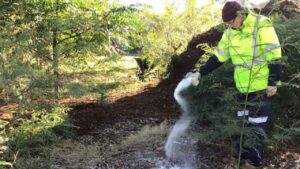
(78,154)
(87,152)
(109,77)
(30,140)
(146,137)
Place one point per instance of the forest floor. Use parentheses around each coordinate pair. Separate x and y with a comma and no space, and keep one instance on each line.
(130,130)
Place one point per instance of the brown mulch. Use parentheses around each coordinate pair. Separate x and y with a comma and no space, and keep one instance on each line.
(285,157)
(153,105)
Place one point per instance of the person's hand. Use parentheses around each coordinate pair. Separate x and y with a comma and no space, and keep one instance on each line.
(194,77)
(271,91)
(189,74)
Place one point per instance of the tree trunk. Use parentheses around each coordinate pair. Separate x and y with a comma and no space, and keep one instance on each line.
(55,55)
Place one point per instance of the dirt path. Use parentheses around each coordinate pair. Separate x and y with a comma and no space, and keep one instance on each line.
(131,132)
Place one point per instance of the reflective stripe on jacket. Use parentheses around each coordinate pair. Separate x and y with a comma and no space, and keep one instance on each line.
(250,49)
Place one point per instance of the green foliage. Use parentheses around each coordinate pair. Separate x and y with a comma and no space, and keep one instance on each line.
(213,103)
(3,163)
(36,33)
(3,139)
(31,138)
(168,34)
(285,118)
(38,131)
(34,162)
(26,55)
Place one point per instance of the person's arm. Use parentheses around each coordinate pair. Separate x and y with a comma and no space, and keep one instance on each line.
(275,70)
(274,77)
(272,53)
(211,64)
(220,56)
(271,49)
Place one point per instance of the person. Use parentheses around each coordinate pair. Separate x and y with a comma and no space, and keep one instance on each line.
(252,45)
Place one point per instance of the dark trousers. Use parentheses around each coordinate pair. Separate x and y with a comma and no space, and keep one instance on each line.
(254,112)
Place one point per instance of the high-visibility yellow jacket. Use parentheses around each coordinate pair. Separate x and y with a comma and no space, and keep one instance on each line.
(250,49)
